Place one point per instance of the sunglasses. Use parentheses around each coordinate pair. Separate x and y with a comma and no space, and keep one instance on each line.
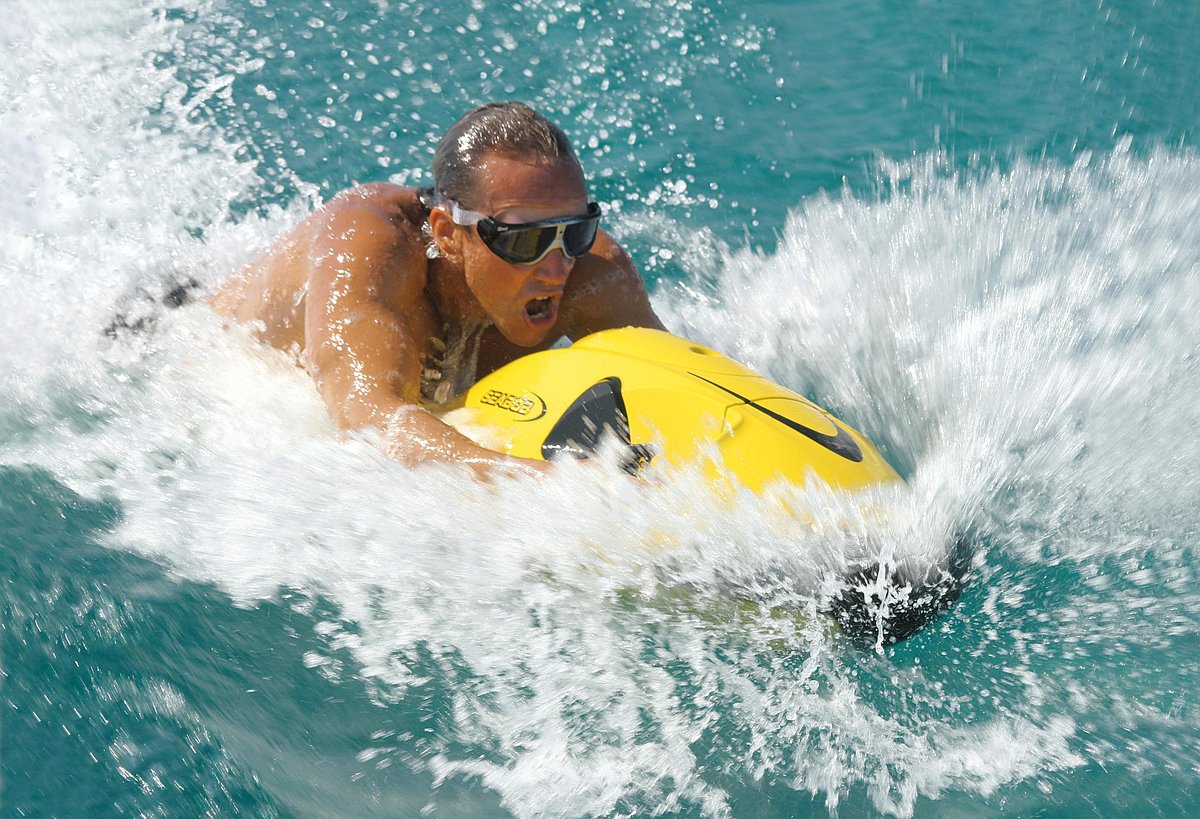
(530,242)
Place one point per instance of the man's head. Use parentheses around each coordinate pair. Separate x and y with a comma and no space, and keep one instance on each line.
(502,165)
(508,129)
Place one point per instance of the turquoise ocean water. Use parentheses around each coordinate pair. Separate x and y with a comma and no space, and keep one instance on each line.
(968,228)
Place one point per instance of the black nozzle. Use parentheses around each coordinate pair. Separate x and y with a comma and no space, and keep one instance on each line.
(878,607)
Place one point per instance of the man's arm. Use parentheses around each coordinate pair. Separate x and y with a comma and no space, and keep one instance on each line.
(362,355)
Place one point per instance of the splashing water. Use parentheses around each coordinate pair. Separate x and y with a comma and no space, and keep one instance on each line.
(1019,341)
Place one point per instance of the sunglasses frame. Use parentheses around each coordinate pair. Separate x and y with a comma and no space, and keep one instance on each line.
(491,229)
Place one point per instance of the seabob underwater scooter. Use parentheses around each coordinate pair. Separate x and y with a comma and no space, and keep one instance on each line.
(669,400)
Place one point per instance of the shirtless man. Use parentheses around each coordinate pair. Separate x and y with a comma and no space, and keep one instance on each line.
(396,300)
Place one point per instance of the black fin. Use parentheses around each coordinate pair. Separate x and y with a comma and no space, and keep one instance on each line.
(598,411)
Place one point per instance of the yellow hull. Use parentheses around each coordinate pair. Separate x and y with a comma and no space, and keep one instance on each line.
(668,400)
(663,400)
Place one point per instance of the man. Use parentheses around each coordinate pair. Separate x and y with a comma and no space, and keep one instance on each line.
(396,300)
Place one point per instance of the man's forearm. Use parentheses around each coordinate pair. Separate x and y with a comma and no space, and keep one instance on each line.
(414,435)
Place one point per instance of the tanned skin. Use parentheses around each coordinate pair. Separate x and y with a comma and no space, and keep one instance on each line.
(352,291)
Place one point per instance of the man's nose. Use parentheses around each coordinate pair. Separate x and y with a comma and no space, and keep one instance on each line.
(555,268)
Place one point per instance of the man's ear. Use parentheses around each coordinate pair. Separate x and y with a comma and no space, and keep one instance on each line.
(445,237)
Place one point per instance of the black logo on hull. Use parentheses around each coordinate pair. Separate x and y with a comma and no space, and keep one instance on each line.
(841,444)
(516,404)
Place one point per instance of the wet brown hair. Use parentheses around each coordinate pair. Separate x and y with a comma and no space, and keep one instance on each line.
(510,129)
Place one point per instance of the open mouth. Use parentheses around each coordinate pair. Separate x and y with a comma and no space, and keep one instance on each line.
(538,309)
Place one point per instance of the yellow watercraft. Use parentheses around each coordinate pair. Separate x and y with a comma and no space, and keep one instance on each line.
(669,400)
(662,399)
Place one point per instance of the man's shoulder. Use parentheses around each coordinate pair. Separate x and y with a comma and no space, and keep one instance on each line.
(604,291)
(380,205)
(372,238)
(377,220)
(597,277)
(382,194)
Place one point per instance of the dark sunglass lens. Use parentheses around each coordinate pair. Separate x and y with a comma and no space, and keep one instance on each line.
(579,237)
(523,246)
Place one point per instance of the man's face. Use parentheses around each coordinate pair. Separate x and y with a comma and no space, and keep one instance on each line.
(522,300)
